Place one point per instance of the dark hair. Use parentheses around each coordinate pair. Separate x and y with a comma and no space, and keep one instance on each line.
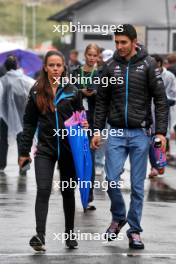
(74,51)
(101,49)
(128,30)
(158,58)
(44,92)
(11,63)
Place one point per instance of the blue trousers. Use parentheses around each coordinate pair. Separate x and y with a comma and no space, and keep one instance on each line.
(135,143)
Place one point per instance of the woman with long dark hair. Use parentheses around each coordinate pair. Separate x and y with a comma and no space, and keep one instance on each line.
(49,105)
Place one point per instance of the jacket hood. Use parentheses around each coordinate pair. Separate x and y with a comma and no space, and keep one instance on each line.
(141,54)
(17,73)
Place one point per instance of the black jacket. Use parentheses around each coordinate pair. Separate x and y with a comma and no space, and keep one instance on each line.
(46,123)
(128,104)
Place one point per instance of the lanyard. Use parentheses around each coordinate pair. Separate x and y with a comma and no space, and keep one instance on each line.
(82,76)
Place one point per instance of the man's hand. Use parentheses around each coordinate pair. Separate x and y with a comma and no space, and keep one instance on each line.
(96,142)
(21,160)
(163,141)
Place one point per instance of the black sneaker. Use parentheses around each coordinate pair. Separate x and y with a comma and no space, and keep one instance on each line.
(38,243)
(71,241)
(114,229)
(90,208)
(135,241)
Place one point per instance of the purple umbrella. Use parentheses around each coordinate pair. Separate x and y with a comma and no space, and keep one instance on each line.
(29,61)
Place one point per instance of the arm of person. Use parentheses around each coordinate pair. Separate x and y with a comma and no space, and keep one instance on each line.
(171,88)
(158,93)
(84,90)
(1,99)
(30,121)
(103,99)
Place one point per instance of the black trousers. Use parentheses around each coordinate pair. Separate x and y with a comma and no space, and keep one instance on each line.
(91,193)
(44,170)
(4,143)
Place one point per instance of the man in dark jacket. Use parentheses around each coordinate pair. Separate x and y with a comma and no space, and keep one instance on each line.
(127,107)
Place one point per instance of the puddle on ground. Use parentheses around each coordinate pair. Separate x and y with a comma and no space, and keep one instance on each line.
(160,191)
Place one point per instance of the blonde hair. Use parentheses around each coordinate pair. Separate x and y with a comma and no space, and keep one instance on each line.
(92,46)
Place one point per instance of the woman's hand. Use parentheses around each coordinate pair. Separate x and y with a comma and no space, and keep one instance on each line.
(21,160)
(87,92)
(85,124)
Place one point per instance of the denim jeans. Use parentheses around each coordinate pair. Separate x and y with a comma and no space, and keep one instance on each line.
(100,152)
(99,155)
(135,143)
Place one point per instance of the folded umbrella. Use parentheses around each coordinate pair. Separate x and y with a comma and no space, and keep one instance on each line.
(80,148)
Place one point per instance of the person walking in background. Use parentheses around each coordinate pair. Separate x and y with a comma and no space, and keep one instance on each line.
(106,55)
(2,70)
(127,105)
(2,73)
(73,61)
(171,63)
(46,111)
(170,88)
(15,87)
(100,61)
(86,75)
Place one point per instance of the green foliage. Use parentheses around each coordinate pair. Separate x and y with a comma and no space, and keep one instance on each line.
(12,18)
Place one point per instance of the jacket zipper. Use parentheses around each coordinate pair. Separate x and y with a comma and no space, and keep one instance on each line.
(126,95)
(56,102)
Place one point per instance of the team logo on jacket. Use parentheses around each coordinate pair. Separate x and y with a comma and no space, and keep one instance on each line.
(117,69)
(140,68)
(157,73)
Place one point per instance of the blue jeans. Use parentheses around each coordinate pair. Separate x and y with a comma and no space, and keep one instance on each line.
(134,142)
(99,155)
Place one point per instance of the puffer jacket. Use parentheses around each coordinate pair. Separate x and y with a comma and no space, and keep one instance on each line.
(128,103)
(45,123)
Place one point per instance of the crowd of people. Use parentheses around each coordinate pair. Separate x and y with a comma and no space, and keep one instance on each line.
(140,106)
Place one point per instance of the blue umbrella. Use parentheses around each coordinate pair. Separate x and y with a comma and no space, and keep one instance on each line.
(81,155)
(29,61)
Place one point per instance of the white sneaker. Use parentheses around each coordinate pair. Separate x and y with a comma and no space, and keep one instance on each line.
(98,171)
